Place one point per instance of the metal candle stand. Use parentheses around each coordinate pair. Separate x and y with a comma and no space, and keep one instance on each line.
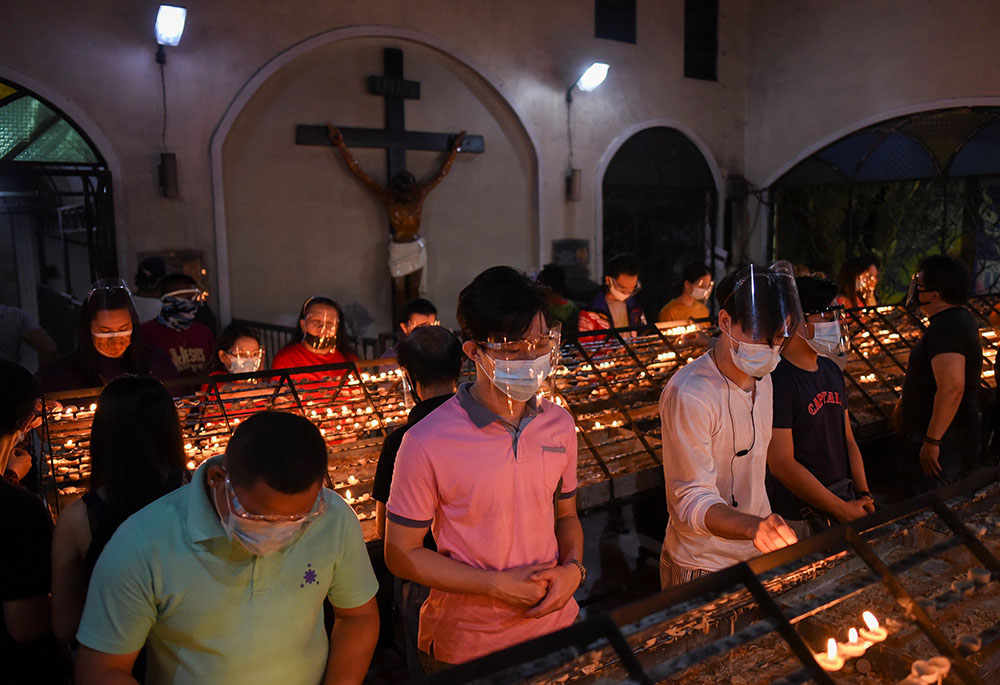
(637,638)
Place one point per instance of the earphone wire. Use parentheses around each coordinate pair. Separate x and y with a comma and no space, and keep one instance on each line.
(732,429)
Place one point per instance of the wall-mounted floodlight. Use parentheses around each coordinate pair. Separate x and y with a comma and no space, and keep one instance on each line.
(590,79)
(170,24)
(593,77)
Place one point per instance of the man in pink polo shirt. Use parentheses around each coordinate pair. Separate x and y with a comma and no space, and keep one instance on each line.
(492,472)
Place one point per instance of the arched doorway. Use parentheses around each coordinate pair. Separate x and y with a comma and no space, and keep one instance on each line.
(659,198)
(57,229)
(923,183)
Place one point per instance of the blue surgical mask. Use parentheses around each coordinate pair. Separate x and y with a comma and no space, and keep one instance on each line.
(520,379)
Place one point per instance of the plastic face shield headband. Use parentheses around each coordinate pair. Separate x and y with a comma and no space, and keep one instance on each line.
(193,294)
(768,303)
(109,286)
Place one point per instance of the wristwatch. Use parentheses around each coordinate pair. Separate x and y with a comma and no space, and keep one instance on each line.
(583,570)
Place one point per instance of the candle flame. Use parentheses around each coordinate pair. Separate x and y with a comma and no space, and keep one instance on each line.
(870,620)
(852,636)
(348,493)
(831,649)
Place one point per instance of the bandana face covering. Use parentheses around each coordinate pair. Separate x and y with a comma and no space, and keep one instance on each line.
(177,313)
(111,345)
(320,343)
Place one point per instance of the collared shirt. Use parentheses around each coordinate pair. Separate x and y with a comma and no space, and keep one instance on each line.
(706,420)
(488,491)
(211,612)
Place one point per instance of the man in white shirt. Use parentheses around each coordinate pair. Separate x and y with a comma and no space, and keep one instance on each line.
(716,419)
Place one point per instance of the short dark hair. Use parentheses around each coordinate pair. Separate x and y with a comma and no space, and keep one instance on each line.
(419,306)
(284,450)
(815,293)
(736,301)
(623,263)
(136,445)
(694,271)
(431,355)
(177,281)
(553,276)
(18,392)
(149,272)
(947,275)
(500,301)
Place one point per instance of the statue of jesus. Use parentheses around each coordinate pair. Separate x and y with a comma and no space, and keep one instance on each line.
(403,201)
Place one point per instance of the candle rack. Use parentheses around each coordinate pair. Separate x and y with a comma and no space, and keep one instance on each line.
(793,600)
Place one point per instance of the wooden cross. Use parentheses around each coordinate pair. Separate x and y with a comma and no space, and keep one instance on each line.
(394,137)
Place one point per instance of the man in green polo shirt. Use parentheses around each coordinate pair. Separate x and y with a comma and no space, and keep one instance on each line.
(223,580)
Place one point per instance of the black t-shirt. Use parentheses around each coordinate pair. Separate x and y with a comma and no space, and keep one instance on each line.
(811,404)
(25,572)
(390,448)
(952,330)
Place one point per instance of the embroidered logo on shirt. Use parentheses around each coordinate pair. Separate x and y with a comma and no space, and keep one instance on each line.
(823,397)
(309,576)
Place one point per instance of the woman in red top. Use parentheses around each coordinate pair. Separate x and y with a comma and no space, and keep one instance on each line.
(320,340)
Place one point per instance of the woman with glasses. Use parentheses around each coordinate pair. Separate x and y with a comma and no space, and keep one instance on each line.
(137,455)
(321,339)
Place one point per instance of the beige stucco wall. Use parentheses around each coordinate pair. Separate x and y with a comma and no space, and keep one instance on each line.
(819,70)
(94,58)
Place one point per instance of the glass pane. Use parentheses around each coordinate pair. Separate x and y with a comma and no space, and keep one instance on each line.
(60,143)
(20,120)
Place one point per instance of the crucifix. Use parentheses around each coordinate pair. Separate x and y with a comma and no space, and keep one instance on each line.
(404,196)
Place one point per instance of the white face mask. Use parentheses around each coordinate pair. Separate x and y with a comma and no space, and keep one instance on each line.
(699,293)
(826,337)
(243,364)
(754,359)
(258,537)
(616,293)
(520,379)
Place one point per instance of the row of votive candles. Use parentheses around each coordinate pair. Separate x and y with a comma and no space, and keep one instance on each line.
(857,643)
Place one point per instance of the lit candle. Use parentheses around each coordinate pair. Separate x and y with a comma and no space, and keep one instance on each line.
(352,479)
(70,444)
(873,632)
(830,660)
(347,496)
(853,647)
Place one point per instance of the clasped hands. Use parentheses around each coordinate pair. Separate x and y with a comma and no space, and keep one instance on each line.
(539,588)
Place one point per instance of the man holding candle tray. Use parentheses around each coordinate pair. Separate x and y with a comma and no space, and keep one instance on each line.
(716,419)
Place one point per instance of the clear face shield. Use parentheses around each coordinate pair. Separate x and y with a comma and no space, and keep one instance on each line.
(765,302)
(913,292)
(518,368)
(320,330)
(825,331)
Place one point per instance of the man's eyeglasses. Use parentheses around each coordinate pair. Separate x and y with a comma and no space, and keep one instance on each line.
(238,509)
